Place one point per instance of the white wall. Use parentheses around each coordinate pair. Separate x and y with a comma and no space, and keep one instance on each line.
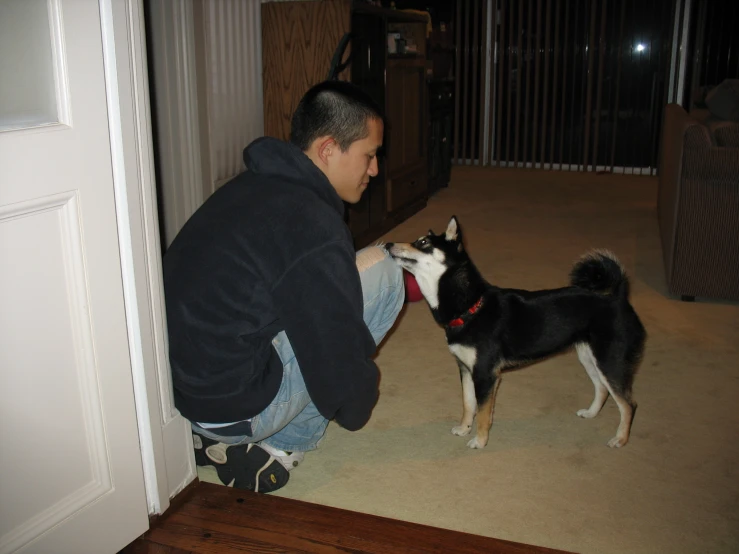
(207,60)
(228,39)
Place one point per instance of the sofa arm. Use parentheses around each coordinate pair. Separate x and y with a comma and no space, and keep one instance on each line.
(675,126)
(705,250)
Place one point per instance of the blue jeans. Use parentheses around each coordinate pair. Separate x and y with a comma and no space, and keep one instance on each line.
(292,422)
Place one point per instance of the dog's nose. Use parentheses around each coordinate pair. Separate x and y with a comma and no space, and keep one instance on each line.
(388,246)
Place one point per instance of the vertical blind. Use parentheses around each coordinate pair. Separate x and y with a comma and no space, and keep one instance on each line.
(565,84)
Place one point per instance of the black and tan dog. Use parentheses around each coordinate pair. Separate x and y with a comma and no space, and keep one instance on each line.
(490,328)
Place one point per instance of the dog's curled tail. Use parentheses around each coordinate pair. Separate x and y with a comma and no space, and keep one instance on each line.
(600,271)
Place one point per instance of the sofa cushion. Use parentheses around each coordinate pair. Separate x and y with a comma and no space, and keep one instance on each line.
(727,134)
(723,100)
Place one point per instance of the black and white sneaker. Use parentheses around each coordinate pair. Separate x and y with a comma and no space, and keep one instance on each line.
(244,466)
(290,460)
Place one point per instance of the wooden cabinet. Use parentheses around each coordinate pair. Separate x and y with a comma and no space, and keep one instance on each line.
(299,39)
(406,115)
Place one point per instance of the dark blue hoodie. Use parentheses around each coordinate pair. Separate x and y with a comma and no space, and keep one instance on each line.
(268,251)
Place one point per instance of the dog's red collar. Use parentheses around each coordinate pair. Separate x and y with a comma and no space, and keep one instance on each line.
(458,322)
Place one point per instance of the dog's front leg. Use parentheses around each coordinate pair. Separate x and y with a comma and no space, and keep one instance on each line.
(485,407)
(469,402)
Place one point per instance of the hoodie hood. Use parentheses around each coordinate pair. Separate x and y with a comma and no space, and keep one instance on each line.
(268,156)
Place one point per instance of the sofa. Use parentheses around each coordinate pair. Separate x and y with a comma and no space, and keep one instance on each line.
(698,201)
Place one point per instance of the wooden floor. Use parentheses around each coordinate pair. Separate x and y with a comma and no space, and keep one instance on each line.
(214,519)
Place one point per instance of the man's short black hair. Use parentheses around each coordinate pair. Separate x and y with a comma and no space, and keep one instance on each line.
(333,108)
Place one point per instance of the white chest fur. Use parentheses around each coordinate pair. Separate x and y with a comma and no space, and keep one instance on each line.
(465,354)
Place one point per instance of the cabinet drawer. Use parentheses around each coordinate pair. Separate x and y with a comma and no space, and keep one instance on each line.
(406,189)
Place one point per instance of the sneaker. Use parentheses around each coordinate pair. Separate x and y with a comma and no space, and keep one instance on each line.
(289,460)
(244,466)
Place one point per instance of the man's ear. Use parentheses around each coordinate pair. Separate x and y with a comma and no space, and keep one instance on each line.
(325,148)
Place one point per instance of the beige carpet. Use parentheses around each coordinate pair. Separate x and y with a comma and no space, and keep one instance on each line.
(546,476)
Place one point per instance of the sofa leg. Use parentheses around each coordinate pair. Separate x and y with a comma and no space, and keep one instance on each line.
(686,298)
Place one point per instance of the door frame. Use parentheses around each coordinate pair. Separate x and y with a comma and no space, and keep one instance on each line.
(163,434)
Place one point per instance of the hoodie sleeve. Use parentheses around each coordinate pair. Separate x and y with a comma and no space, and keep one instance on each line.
(319,300)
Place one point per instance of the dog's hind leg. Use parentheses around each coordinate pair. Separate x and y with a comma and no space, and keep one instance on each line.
(585,355)
(627,408)
(469,402)
(621,394)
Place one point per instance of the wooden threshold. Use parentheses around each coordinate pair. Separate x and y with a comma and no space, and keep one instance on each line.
(214,519)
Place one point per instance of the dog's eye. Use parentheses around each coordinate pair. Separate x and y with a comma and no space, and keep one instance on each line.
(423,241)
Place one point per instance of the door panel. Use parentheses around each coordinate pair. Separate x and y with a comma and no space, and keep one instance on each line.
(72,478)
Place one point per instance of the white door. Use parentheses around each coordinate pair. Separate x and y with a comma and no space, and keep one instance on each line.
(71,476)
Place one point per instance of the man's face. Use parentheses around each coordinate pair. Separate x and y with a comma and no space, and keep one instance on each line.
(349,172)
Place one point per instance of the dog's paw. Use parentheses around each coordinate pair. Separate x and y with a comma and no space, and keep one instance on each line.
(476,443)
(587,414)
(461,430)
(617,442)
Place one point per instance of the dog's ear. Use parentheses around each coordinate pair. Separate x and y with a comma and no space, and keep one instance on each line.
(431,233)
(453,232)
